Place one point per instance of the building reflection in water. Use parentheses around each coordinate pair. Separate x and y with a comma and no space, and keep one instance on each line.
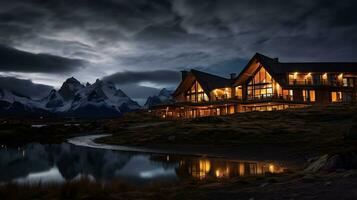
(202,168)
(65,162)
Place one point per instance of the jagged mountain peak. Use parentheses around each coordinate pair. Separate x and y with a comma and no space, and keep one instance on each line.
(100,99)
(164,96)
(165,92)
(72,80)
(53,100)
(69,88)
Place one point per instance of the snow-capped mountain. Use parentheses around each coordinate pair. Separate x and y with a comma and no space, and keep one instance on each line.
(53,100)
(16,104)
(73,99)
(104,96)
(164,96)
(69,88)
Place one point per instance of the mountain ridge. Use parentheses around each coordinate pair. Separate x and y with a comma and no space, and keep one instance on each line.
(164,96)
(73,99)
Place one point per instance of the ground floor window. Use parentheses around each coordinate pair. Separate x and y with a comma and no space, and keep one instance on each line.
(308,95)
(270,107)
(336,97)
(288,95)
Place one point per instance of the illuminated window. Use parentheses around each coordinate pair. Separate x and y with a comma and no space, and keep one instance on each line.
(231,109)
(261,85)
(345,82)
(336,96)
(304,95)
(308,95)
(300,79)
(324,79)
(222,93)
(312,96)
(288,95)
(199,88)
(348,82)
(196,93)
(278,89)
(239,92)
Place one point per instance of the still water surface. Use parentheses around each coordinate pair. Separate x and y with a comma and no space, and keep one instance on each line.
(57,163)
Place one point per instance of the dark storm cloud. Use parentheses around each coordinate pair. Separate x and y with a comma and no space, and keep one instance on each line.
(142,84)
(24,87)
(152,35)
(139,93)
(13,60)
(157,76)
(231,27)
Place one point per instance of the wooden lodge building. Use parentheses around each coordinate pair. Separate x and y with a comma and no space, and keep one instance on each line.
(265,84)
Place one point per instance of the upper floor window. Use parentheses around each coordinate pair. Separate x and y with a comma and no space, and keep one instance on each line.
(196,93)
(300,78)
(262,85)
(262,76)
(222,93)
(348,82)
(332,79)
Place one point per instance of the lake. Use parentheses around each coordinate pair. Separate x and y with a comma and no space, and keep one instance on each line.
(57,163)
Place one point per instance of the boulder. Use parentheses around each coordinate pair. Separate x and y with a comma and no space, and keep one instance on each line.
(341,161)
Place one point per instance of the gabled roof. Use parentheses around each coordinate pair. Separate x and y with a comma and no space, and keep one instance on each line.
(252,66)
(281,67)
(207,81)
(210,82)
(278,70)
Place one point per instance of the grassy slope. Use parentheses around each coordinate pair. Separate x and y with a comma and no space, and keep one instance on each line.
(314,129)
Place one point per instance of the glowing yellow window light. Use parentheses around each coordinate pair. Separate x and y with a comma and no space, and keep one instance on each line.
(205,165)
(340,76)
(271,168)
(295,75)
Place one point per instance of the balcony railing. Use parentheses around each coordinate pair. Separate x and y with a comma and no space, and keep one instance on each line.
(270,97)
(336,83)
(300,82)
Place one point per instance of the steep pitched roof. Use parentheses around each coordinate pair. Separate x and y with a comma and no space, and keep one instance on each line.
(254,63)
(210,82)
(278,69)
(207,81)
(286,67)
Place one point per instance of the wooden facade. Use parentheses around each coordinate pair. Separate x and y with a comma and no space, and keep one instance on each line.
(265,84)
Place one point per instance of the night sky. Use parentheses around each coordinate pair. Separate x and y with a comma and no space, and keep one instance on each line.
(142,44)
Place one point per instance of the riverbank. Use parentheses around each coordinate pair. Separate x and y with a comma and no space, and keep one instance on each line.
(19,132)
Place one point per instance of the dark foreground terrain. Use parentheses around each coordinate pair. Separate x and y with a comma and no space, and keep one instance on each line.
(18,132)
(320,140)
(333,185)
